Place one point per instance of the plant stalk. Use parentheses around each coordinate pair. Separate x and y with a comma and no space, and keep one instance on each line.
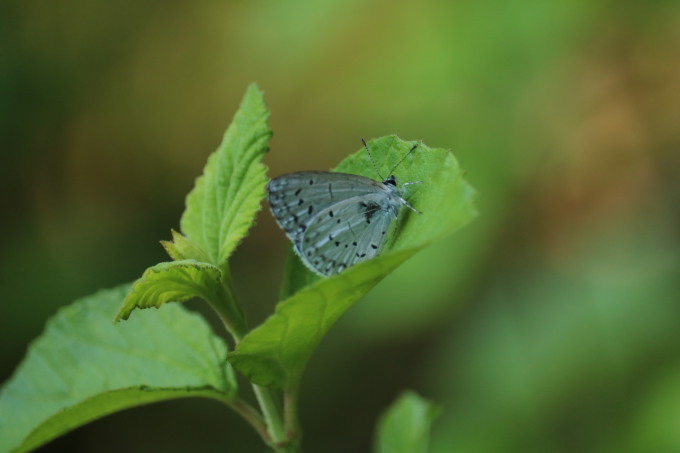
(252,416)
(232,317)
(271,414)
(292,425)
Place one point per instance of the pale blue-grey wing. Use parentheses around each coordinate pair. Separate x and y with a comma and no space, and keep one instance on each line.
(346,233)
(296,198)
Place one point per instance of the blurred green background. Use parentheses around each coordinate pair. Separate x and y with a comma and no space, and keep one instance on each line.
(548,324)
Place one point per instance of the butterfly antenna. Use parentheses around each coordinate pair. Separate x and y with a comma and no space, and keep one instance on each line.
(402,159)
(371,157)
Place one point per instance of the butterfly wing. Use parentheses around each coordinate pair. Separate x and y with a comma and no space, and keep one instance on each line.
(335,220)
(346,233)
(296,198)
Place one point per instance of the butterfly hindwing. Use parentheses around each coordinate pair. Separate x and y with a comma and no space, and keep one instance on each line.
(345,233)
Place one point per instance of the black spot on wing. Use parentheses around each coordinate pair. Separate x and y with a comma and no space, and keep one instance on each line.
(369,209)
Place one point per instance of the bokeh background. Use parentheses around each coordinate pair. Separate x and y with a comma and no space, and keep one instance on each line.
(548,324)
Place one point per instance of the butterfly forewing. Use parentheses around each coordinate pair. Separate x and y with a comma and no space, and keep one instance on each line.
(297,197)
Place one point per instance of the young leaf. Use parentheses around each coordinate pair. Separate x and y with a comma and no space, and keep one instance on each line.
(405,426)
(222,206)
(84,367)
(178,281)
(275,353)
(183,248)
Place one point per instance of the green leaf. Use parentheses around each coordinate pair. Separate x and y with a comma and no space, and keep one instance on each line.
(178,281)
(223,204)
(275,353)
(84,367)
(405,426)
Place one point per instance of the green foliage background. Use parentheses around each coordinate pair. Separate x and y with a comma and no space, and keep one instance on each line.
(548,324)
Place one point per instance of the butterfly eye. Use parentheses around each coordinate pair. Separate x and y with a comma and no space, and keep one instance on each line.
(391,181)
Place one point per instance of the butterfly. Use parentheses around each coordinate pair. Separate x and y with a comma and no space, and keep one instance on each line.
(336,220)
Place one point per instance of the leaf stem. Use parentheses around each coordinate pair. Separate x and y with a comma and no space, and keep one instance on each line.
(252,416)
(271,414)
(229,311)
(292,425)
(233,319)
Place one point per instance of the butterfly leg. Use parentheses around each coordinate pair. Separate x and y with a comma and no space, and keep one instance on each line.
(405,203)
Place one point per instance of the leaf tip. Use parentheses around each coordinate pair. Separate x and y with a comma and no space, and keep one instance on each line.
(123,312)
(120,317)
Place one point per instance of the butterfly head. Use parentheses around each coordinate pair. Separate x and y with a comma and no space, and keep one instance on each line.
(391,181)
